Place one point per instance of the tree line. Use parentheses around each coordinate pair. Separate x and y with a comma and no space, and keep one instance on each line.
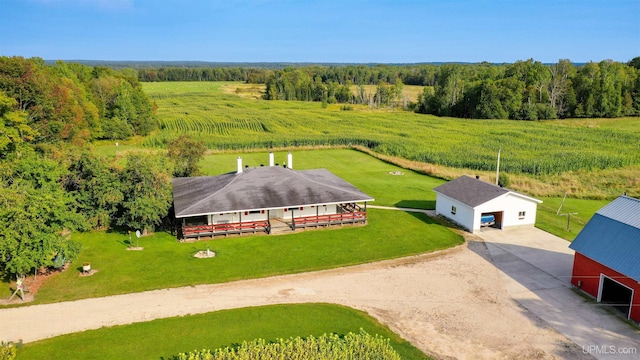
(52,183)
(524,90)
(72,102)
(529,90)
(423,74)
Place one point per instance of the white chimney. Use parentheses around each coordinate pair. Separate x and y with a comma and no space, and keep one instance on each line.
(290,161)
(271,159)
(239,165)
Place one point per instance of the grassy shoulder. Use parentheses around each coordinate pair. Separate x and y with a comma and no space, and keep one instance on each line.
(166,263)
(213,330)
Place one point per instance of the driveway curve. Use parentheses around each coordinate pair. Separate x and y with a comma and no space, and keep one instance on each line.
(449,304)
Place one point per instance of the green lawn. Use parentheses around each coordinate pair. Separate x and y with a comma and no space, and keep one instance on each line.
(165,262)
(581,211)
(160,339)
(365,172)
(409,190)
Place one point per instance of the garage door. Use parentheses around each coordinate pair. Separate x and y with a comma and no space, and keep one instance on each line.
(616,295)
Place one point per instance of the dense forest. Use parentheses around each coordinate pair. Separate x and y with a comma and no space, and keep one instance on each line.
(524,90)
(50,182)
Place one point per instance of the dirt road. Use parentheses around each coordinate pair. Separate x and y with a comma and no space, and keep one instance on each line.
(450,305)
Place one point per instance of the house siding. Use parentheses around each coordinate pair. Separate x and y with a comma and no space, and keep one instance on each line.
(588,271)
(464,215)
(469,218)
(510,205)
(247,216)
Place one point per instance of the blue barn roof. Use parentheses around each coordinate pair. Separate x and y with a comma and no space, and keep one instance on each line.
(612,237)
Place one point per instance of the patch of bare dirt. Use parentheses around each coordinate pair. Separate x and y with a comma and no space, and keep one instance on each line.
(31,284)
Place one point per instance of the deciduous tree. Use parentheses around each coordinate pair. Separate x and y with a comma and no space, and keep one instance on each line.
(34,211)
(185,153)
(146,189)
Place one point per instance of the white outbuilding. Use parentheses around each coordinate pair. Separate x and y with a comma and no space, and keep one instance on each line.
(474,204)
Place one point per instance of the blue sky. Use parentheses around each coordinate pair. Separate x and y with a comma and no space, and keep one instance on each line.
(378,31)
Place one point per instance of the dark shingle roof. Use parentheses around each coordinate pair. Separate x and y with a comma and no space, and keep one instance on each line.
(261,188)
(612,237)
(470,191)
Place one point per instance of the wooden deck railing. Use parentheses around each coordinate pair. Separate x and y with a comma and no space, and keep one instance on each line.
(221,229)
(343,218)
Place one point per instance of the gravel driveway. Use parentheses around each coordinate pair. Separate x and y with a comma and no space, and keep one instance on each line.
(450,304)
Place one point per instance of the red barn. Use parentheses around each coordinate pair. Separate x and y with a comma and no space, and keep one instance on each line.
(607,259)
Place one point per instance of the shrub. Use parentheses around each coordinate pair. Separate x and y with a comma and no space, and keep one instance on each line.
(7,351)
(351,346)
(503,180)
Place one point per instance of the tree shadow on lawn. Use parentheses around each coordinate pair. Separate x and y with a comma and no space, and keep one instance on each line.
(426,205)
(127,239)
(417,204)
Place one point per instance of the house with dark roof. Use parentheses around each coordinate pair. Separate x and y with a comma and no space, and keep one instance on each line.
(263,198)
(606,264)
(474,204)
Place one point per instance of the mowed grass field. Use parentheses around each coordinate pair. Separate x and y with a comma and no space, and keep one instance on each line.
(150,340)
(374,177)
(122,271)
(542,158)
(166,263)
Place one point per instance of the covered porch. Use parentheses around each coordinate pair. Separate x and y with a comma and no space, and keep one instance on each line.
(257,221)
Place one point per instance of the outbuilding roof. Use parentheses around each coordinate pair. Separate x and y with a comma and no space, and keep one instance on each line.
(259,188)
(612,237)
(474,192)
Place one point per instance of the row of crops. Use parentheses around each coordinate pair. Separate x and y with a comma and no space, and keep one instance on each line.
(206,126)
(233,123)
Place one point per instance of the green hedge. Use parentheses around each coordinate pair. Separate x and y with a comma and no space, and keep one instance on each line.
(326,347)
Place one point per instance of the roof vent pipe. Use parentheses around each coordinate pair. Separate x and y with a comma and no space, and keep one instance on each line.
(239,165)
(290,161)
(271,159)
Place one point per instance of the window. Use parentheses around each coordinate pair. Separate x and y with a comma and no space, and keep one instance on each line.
(521,215)
(254,212)
(453,210)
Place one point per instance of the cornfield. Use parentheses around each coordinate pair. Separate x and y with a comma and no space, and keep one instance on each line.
(225,121)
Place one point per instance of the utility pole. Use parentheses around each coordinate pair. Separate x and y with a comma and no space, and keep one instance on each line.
(562,203)
(498,168)
(568,215)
